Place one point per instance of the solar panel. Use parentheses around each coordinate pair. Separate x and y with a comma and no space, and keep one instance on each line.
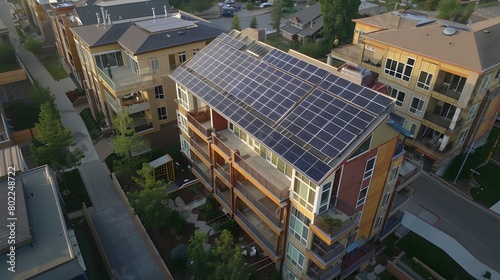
(231,41)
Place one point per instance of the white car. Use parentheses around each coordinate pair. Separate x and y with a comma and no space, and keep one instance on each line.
(267,4)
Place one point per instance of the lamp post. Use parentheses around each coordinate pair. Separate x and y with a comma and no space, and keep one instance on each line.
(463,163)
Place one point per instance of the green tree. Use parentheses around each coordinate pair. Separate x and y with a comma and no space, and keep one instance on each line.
(236,23)
(227,261)
(149,205)
(126,141)
(431,5)
(147,179)
(337,18)
(51,145)
(253,22)
(40,95)
(7,53)
(448,9)
(392,5)
(33,45)
(276,15)
(198,258)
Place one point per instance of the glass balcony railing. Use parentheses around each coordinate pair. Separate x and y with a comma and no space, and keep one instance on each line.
(200,120)
(201,170)
(223,170)
(223,147)
(445,90)
(122,78)
(338,219)
(314,272)
(202,149)
(257,204)
(442,121)
(327,254)
(245,222)
(361,256)
(222,197)
(402,197)
(392,223)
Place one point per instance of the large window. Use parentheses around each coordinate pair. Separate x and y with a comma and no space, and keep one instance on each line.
(276,161)
(155,64)
(295,256)
(417,105)
(411,127)
(288,274)
(185,147)
(325,197)
(394,173)
(132,63)
(182,121)
(299,226)
(485,84)
(378,222)
(424,80)
(182,96)
(385,200)
(399,69)
(304,192)
(363,148)
(370,164)
(159,92)
(362,196)
(472,112)
(113,59)
(182,57)
(162,113)
(399,95)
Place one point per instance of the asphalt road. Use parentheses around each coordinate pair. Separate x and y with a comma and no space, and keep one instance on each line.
(474,226)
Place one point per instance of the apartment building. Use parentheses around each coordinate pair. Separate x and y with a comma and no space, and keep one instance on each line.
(444,76)
(38,18)
(301,159)
(125,68)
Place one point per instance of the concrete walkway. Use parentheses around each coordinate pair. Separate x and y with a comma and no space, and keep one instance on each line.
(123,244)
(421,221)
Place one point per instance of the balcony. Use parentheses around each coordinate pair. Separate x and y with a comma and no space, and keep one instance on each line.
(125,79)
(221,146)
(339,219)
(324,254)
(200,121)
(442,121)
(408,170)
(200,149)
(201,171)
(314,272)
(140,122)
(445,90)
(359,257)
(259,231)
(259,201)
(353,52)
(4,133)
(255,168)
(224,172)
(137,106)
(391,225)
(401,198)
(224,197)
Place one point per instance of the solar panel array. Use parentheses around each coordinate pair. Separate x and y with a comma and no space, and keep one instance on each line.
(307,117)
(231,41)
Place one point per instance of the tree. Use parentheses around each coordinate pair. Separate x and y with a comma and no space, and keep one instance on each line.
(197,256)
(147,179)
(227,259)
(431,5)
(40,95)
(126,141)
(51,145)
(7,53)
(337,18)
(33,45)
(448,9)
(236,23)
(276,15)
(149,205)
(253,23)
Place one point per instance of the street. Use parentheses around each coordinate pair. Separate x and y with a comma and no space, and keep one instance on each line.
(473,226)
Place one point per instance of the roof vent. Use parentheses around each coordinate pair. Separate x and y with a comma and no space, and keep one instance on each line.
(486,31)
(449,31)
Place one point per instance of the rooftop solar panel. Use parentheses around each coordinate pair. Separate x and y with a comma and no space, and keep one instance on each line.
(238,44)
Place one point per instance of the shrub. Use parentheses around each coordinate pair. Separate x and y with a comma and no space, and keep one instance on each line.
(180,251)
(250,6)
(333,222)
(33,46)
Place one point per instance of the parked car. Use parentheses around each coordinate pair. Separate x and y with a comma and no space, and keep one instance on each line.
(226,14)
(267,4)
(230,8)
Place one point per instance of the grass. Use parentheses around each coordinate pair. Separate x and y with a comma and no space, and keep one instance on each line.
(9,67)
(78,194)
(432,256)
(417,268)
(93,261)
(489,192)
(50,62)
(23,116)
(92,126)
(475,159)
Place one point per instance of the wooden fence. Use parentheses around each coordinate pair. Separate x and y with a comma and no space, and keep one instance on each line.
(23,136)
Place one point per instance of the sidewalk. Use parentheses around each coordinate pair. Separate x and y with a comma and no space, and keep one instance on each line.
(126,249)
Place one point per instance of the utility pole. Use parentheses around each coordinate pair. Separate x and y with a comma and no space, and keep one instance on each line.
(463,163)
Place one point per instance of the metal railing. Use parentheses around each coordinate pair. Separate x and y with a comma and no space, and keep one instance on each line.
(408,176)
(222,197)
(257,204)
(353,267)
(125,79)
(327,253)
(444,89)
(199,149)
(255,231)
(335,230)
(400,199)
(219,144)
(194,122)
(314,272)
(391,224)
(442,121)
(223,172)
(277,192)
(201,173)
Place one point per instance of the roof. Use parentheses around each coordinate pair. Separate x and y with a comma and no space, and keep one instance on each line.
(396,20)
(470,47)
(22,226)
(160,161)
(52,249)
(11,157)
(305,16)
(306,115)
(135,37)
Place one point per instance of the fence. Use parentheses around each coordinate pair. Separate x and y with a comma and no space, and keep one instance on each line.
(23,136)
(12,76)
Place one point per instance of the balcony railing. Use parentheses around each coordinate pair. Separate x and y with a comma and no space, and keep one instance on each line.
(257,204)
(444,89)
(135,107)
(223,171)
(338,219)
(222,197)
(202,173)
(314,272)
(124,78)
(253,230)
(198,116)
(361,256)
(277,192)
(202,151)
(402,179)
(391,224)
(441,121)
(327,254)
(219,144)
(402,197)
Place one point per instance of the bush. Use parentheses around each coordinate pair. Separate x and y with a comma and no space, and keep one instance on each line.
(33,46)
(176,264)
(7,53)
(250,6)
(180,251)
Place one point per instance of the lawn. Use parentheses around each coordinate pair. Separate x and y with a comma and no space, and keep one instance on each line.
(92,126)
(49,60)
(77,192)
(432,256)
(23,116)
(489,192)
(9,67)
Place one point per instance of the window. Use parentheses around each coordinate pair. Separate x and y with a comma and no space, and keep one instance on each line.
(411,127)
(472,112)
(162,113)
(363,148)
(485,84)
(304,193)
(424,80)
(394,173)
(288,274)
(182,121)
(113,59)
(462,135)
(299,226)
(185,147)
(276,161)
(378,222)
(362,196)
(155,64)
(399,95)
(325,197)
(295,256)
(417,105)
(182,96)
(195,51)
(370,48)
(385,200)
(398,69)
(370,164)
(159,92)
(182,57)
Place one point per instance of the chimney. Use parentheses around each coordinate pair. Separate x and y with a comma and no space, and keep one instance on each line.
(98,19)
(109,19)
(153,9)
(312,23)
(103,16)
(165,8)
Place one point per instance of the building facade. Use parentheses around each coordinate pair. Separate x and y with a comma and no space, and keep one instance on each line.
(126,66)
(301,159)
(446,99)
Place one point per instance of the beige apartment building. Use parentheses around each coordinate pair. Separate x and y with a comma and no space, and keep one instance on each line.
(444,76)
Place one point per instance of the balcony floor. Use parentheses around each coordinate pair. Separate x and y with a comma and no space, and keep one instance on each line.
(406,168)
(260,225)
(261,197)
(256,161)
